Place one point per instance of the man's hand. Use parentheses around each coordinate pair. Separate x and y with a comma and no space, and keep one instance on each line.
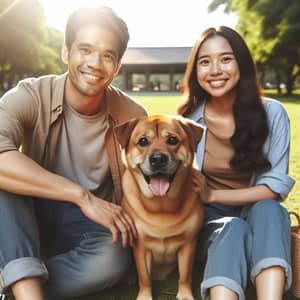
(111,216)
(21,175)
(200,186)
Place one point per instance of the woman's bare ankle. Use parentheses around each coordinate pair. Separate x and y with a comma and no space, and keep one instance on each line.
(28,289)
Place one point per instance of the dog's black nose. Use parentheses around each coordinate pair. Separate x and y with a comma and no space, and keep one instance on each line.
(158,160)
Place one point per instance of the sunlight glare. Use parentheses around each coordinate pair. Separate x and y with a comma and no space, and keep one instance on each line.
(151,23)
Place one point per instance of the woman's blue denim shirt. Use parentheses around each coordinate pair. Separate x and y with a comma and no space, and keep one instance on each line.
(276,148)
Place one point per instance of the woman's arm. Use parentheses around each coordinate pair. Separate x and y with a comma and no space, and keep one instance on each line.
(242,196)
(277,149)
(231,197)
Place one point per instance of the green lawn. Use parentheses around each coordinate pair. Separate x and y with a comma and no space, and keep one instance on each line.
(159,103)
(293,108)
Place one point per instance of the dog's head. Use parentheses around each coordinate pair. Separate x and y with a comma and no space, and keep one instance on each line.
(158,149)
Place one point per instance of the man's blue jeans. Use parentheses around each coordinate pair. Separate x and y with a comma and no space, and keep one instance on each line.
(56,242)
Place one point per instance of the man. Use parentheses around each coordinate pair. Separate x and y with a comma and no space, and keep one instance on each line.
(61,192)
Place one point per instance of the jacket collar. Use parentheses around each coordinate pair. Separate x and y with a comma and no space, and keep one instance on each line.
(57,98)
(198,114)
(114,105)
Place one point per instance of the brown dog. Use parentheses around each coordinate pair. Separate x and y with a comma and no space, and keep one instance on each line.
(159,196)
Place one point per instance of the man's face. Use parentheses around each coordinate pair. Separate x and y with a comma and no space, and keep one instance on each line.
(92,60)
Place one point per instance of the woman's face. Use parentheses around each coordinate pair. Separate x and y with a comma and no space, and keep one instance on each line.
(217,69)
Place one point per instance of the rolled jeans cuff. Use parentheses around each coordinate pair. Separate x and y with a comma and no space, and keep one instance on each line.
(273,262)
(21,268)
(224,281)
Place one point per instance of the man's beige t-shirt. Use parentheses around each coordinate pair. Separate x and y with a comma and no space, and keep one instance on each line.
(81,155)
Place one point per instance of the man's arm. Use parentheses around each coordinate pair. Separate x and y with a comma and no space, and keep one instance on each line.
(21,175)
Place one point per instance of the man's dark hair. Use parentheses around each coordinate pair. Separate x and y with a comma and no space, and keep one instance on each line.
(103,16)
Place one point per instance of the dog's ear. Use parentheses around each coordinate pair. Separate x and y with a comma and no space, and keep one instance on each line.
(193,130)
(124,130)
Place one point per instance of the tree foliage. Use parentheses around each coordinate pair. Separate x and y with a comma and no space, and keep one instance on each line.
(272,31)
(28,46)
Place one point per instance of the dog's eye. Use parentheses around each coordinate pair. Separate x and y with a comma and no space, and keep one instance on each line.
(172,140)
(143,142)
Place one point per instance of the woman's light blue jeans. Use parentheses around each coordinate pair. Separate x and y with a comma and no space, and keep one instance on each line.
(56,242)
(240,241)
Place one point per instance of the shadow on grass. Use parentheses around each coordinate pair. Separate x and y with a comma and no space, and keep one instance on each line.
(294,98)
(165,290)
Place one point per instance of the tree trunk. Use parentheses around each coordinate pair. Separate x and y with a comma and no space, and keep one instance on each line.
(289,85)
(279,91)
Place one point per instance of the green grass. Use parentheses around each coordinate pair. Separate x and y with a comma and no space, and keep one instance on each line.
(159,103)
(293,107)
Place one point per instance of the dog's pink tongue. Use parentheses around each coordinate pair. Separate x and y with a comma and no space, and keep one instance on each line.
(159,185)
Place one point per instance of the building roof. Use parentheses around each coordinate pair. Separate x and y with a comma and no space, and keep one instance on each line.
(156,55)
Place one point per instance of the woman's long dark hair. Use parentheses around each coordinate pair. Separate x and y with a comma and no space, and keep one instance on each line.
(251,127)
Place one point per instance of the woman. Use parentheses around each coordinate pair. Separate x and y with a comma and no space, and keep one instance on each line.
(243,157)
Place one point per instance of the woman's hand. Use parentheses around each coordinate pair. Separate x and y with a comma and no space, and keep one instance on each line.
(200,186)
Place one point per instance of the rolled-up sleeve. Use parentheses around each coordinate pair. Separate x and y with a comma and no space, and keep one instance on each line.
(279,183)
(18,111)
(277,150)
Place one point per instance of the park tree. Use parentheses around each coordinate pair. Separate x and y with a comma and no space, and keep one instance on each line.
(28,46)
(50,57)
(272,31)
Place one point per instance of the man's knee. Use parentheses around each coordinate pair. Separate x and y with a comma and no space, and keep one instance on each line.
(18,228)
(108,265)
(94,265)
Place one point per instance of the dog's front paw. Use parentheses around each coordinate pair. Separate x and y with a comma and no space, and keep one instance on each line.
(185,297)
(184,293)
(145,294)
